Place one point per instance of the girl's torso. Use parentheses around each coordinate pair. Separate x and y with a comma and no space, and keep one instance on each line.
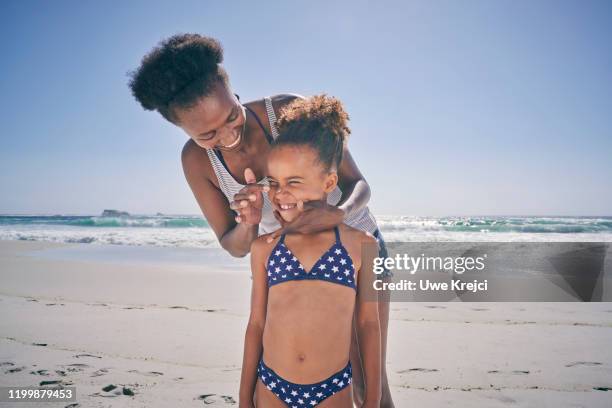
(361,219)
(309,318)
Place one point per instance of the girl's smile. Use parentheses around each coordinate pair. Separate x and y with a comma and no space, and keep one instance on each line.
(295,174)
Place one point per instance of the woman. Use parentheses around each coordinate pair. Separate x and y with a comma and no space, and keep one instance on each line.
(224,161)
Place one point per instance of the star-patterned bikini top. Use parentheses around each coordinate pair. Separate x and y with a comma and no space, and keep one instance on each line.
(335,265)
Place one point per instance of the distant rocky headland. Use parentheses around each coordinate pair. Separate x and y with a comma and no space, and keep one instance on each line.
(115,213)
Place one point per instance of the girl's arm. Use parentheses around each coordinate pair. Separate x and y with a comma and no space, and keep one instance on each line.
(368,325)
(253,346)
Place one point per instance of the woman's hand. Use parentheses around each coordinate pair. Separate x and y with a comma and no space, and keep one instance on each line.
(249,200)
(314,216)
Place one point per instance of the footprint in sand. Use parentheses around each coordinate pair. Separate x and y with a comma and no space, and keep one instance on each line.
(212,398)
(514,372)
(113,390)
(54,382)
(133,307)
(148,373)
(76,367)
(15,370)
(436,307)
(479,309)
(418,369)
(40,372)
(6,363)
(74,405)
(50,382)
(584,363)
(86,355)
(100,372)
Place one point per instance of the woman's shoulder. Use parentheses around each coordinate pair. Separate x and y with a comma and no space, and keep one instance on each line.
(278,102)
(195,160)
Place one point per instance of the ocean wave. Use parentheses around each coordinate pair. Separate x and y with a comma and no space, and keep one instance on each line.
(194,232)
(554,225)
(178,237)
(134,221)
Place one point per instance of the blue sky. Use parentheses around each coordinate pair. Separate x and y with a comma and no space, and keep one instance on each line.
(457,108)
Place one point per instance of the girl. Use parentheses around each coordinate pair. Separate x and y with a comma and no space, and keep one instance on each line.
(306,287)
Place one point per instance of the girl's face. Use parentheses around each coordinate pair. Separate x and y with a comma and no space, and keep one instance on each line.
(295,174)
(217,121)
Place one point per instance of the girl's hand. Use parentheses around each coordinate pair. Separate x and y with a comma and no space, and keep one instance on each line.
(248,202)
(314,216)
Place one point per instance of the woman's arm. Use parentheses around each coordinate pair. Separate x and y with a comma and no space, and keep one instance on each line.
(368,325)
(253,345)
(355,189)
(234,237)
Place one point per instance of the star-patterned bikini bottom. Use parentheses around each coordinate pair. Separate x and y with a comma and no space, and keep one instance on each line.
(304,395)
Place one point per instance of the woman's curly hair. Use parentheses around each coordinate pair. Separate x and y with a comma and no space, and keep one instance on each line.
(177,72)
(319,122)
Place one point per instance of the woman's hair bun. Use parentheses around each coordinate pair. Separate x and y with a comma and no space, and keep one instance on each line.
(178,71)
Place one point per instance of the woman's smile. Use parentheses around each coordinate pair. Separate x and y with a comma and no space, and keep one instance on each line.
(236,142)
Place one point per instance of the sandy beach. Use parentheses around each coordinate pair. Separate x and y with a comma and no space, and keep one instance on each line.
(167,326)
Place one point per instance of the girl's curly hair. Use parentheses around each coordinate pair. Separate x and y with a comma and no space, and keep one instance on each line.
(319,122)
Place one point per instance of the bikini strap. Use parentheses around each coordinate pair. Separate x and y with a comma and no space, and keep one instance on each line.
(268,136)
(337,231)
(282,239)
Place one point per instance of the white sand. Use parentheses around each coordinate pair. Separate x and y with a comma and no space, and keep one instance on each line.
(172,332)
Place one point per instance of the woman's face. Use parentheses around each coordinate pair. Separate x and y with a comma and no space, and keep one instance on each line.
(216,121)
(295,174)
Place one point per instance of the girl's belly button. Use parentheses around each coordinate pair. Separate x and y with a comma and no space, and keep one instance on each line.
(301,357)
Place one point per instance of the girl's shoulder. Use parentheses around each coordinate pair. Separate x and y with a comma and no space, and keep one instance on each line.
(353,240)
(355,235)
(261,247)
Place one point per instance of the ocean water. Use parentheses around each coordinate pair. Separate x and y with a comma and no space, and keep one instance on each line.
(194,232)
